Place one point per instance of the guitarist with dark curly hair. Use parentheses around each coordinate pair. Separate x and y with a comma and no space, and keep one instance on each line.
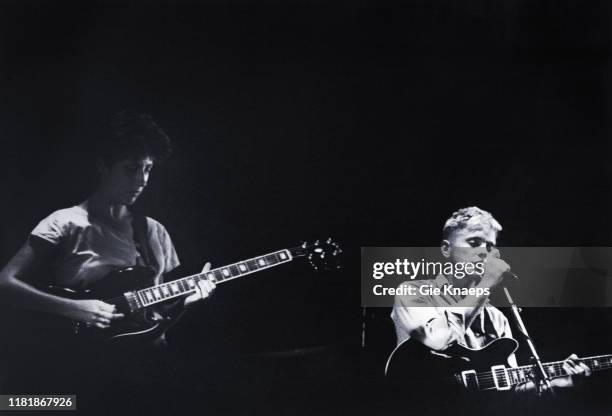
(77,247)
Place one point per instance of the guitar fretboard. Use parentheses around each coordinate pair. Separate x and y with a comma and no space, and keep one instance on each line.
(496,377)
(186,285)
(555,368)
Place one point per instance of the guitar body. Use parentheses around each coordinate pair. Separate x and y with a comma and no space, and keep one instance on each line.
(138,326)
(412,361)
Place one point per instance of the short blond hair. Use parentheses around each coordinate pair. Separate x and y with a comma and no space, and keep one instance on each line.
(469,217)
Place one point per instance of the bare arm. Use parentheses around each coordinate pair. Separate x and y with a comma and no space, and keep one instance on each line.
(32,260)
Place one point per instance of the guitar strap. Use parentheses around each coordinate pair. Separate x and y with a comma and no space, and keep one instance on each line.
(141,239)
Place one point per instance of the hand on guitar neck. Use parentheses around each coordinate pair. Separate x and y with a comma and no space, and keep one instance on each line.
(205,289)
(577,372)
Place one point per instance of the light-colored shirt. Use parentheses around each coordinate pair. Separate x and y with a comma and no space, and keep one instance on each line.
(413,312)
(90,248)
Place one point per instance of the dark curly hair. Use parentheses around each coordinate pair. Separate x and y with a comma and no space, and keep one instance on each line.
(134,135)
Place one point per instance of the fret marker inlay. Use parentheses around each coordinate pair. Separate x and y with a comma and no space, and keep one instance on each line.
(158,293)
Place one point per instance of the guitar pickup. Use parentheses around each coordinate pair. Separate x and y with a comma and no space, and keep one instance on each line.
(470,380)
(132,301)
(501,377)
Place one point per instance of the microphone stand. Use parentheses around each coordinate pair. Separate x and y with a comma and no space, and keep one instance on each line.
(541,377)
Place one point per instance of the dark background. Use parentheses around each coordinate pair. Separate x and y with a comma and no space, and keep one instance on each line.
(366,121)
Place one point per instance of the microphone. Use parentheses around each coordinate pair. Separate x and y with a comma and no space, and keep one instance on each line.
(507,274)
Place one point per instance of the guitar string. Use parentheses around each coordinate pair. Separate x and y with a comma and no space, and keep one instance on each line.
(223,278)
(294,252)
(278,261)
(489,377)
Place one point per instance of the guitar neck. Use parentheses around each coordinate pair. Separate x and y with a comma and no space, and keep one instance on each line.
(555,369)
(503,378)
(165,291)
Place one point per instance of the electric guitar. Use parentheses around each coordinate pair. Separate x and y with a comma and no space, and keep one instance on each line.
(133,292)
(472,369)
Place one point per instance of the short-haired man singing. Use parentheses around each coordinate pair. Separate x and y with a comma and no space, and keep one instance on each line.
(439,321)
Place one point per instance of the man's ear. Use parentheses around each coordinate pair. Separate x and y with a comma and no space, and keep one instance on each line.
(445,248)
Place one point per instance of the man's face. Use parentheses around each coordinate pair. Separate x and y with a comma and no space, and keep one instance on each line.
(125,179)
(470,245)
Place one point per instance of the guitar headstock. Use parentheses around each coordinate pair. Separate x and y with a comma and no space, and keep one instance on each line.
(322,255)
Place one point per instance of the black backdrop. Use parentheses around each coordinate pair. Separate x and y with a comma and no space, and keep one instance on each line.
(367,121)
